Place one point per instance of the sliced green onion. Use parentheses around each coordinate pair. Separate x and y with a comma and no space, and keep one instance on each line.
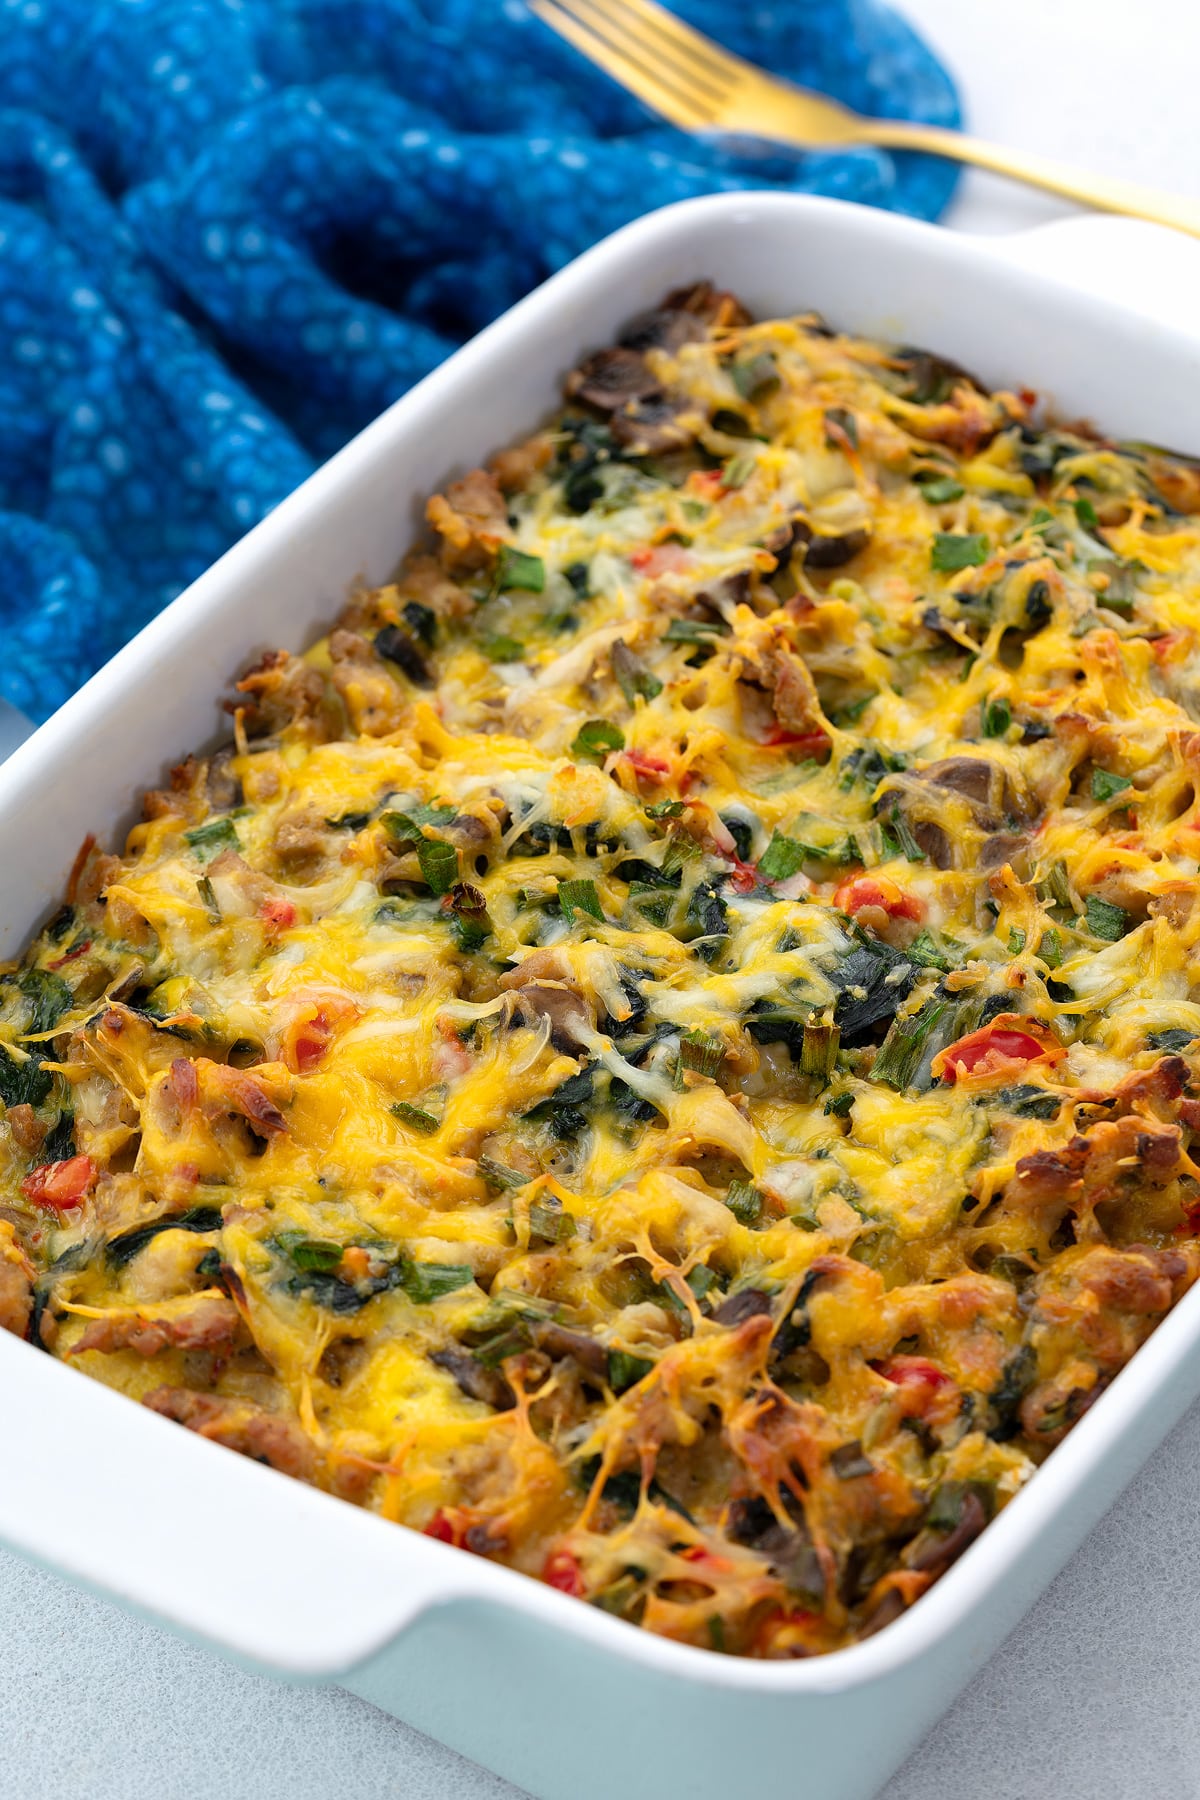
(439,864)
(651,903)
(424,1282)
(842,421)
(499,1175)
(701,1053)
(515,569)
(997,717)
(755,377)
(416,1117)
(954,550)
(665,809)
(896,833)
(595,738)
(744,1202)
(899,1055)
(693,631)
(632,676)
(818,1051)
(1050,949)
(208,895)
(502,649)
(214,835)
(941,490)
(1105,785)
(1016,941)
(579,896)
(928,955)
(315,1256)
(406,827)
(1086,513)
(548,1220)
(850,715)
(1056,885)
(737,471)
(1105,920)
(625,1370)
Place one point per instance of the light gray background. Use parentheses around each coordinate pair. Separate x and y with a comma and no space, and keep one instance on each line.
(1095,1693)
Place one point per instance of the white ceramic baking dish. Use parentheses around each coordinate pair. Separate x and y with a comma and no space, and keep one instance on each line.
(559,1697)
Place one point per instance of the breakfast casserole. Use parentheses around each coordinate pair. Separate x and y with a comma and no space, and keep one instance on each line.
(662,1051)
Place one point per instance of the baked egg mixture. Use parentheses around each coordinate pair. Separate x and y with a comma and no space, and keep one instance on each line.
(662,1053)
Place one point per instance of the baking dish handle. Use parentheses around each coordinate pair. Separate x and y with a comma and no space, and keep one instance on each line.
(220,1548)
(1145,267)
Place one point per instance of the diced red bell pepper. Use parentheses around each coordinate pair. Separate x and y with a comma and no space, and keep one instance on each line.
(815,743)
(1007,1043)
(647,765)
(921,1383)
(913,1371)
(60,1186)
(706,1558)
(311,1043)
(661,559)
(445,1529)
(562,1571)
(858,891)
(277,915)
(309,1038)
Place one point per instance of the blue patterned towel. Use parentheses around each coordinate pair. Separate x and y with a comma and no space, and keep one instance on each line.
(232,231)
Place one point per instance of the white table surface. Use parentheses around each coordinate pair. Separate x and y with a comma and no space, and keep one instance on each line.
(1094,1694)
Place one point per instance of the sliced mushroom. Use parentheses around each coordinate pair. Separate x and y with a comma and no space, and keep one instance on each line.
(751,1303)
(651,426)
(610,379)
(541,991)
(558,1340)
(823,552)
(663,328)
(1005,847)
(475,1380)
(932,1552)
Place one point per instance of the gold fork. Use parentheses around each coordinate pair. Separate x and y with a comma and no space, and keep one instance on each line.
(701,87)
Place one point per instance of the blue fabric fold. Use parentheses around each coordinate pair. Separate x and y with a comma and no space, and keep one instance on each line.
(232,231)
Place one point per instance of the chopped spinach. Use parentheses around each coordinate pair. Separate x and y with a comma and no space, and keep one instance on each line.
(122,1249)
(872,981)
(49,998)
(214,835)
(782,858)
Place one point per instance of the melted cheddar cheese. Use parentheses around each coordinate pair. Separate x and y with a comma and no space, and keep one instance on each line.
(661,1052)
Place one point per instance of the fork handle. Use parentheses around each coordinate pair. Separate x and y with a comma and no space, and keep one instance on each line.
(1036,171)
